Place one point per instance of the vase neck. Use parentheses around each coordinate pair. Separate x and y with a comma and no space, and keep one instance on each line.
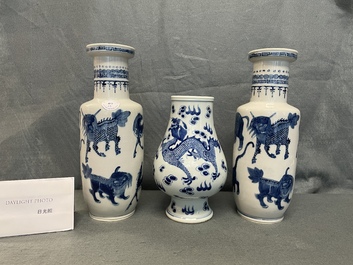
(192,109)
(111,77)
(270,81)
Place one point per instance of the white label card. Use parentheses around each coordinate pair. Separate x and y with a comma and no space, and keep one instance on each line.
(110,104)
(36,206)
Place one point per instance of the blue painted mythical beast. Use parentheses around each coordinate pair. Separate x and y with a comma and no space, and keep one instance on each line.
(268,188)
(268,134)
(105,130)
(113,187)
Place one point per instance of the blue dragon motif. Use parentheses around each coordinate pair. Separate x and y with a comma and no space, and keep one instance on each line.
(174,149)
(272,134)
(105,130)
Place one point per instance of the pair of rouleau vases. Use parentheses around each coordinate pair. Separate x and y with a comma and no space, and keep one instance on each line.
(189,165)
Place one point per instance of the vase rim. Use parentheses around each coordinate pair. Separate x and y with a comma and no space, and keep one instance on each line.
(192,98)
(110,49)
(271,53)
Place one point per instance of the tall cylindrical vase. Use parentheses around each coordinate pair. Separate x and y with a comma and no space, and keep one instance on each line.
(266,140)
(111,134)
(190,165)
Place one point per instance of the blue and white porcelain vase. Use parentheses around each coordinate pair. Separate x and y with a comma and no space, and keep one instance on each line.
(190,165)
(266,140)
(111,133)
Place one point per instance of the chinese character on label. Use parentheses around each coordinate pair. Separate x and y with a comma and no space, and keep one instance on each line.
(45,211)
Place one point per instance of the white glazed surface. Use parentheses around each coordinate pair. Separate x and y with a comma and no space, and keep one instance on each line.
(104,49)
(200,183)
(105,166)
(111,146)
(273,169)
(263,169)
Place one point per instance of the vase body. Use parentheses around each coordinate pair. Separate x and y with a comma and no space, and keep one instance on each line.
(111,137)
(190,165)
(266,140)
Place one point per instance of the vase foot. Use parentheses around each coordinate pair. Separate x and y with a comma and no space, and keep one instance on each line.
(189,211)
(111,219)
(260,220)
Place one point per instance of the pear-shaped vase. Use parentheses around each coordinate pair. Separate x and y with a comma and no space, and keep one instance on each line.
(190,165)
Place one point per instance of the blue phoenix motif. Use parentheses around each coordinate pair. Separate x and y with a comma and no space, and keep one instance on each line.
(113,187)
(105,130)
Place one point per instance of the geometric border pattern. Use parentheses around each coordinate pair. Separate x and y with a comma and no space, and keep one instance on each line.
(269,91)
(110,84)
(270,79)
(110,49)
(273,54)
(111,73)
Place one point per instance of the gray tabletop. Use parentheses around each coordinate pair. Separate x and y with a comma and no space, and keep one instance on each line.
(317,229)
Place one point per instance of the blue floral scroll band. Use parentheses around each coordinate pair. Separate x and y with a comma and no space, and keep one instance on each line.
(273,54)
(270,79)
(110,49)
(111,73)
